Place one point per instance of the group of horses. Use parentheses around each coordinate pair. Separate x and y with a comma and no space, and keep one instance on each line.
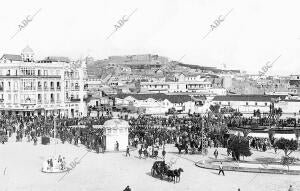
(146,153)
(161,169)
(192,148)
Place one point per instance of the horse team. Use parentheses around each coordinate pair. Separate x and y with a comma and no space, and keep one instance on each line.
(161,169)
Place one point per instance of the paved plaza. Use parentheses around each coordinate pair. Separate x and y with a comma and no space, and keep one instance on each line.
(21,163)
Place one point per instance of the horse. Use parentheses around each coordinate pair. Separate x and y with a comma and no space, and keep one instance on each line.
(177,173)
(174,174)
(171,174)
(159,168)
(145,152)
(180,147)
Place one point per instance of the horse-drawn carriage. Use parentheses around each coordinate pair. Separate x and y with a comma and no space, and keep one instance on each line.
(161,169)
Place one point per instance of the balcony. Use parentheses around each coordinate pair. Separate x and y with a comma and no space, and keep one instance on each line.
(74,99)
(46,89)
(28,101)
(52,101)
(39,101)
(58,88)
(40,88)
(29,88)
(52,88)
(1,100)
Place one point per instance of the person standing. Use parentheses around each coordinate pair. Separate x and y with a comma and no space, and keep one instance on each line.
(221,169)
(216,153)
(127,188)
(163,153)
(291,188)
(127,151)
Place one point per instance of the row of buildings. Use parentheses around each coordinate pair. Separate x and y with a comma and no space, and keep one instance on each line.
(56,85)
(160,103)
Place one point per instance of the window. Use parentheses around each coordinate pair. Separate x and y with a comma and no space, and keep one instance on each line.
(15,86)
(57,98)
(15,98)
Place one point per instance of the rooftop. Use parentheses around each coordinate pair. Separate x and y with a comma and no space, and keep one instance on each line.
(158,96)
(254,97)
(12,57)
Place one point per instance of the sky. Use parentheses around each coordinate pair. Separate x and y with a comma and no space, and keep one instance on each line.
(254,33)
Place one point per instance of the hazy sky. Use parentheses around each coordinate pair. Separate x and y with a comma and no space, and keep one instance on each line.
(254,33)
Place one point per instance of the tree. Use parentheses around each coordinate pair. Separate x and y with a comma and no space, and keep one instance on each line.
(246,132)
(288,146)
(288,161)
(297,134)
(271,135)
(214,108)
(257,113)
(239,146)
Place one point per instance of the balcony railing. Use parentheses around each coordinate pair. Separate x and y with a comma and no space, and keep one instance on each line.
(39,101)
(40,88)
(32,101)
(52,101)
(52,88)
(58,88)
(75,99)
(1,100)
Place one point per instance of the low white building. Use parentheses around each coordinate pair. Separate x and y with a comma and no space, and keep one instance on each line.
(157,103)
(290,108)
(246,104)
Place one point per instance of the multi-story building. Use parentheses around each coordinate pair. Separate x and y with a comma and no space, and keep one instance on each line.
(182,84)
(44,87)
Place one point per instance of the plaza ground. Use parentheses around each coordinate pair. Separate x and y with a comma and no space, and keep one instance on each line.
(21,163)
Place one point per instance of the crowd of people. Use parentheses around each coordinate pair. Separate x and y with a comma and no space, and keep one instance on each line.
(189,133)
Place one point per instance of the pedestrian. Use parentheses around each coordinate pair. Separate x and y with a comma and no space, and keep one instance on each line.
(163,153)
(127,151)
(291,188)
(117,144)
(221,169)
(127,188)
(216,153)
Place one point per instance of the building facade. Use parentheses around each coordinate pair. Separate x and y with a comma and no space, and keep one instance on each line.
(44,87)
(182,84)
